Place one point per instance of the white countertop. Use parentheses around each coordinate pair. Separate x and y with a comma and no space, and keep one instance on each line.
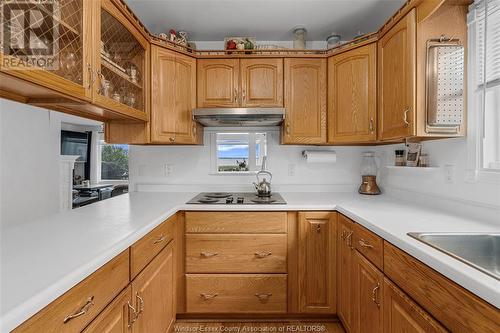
(42,259)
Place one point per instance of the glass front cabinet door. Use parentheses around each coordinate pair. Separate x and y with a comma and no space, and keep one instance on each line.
(47,43)
(121,63)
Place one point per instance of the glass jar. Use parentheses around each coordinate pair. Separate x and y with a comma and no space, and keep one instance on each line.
(299,38)
(423,160)
(368,164)
(400,157)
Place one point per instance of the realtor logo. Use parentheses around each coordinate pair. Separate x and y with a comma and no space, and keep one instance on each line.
(29,34)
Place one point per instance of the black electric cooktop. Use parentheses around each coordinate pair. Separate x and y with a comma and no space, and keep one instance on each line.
(236,198)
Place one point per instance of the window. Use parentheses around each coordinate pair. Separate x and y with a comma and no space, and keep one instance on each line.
(238,152)
(114,161)
(484,36)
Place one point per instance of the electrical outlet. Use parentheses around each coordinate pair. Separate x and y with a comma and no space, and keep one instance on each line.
(449,173)
(291,170)
(169,169)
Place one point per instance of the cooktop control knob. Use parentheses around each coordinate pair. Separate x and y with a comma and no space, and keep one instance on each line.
(229,200)
(240,200)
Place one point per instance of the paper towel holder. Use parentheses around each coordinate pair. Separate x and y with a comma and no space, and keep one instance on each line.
(305,152)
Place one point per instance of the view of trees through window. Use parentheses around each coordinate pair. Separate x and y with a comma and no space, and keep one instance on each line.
(114,162)
(240,152)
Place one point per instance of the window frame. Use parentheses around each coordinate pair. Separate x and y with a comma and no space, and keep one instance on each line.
(214,167)
(97,167)
(475,171)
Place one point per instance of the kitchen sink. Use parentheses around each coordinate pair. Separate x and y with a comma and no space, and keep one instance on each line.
(479,250)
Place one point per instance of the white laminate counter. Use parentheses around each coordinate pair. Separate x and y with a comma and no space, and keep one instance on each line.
(42,259)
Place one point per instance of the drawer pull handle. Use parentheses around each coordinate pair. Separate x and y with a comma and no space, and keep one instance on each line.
(263,297)
(141,304)
(375,295)
(83,310)
(362,243)
(132,314)
(159,239)
(262,255)
(208,296)
(208,254)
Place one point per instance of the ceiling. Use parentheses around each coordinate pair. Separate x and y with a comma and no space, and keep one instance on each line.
(270,20)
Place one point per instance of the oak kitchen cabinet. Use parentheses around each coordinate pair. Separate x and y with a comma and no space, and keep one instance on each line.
(174,90)
(368,306)
(396,75)
(240,82)
(352,95)
(305,101)
(103,70)
(317,233)
(155,294)
(116,317)
(345,272)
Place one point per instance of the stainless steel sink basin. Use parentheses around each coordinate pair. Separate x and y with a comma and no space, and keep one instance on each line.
(481,251)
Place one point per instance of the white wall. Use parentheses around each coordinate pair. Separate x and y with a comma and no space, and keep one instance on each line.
(29,175)
(446,152)
(191,167)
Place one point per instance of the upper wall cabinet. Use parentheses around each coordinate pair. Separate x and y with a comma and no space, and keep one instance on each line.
(99,59)
(396,69)
(421,92)
(122,63)
(305,101)
(240,83)
(261,82)
(352,98)
(218,83)
(174,91)
(69,63)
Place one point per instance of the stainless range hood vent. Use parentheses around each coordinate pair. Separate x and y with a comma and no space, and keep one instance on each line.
(239,117)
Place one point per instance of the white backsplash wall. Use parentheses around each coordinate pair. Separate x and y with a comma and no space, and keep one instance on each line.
(190,167)
(446,154)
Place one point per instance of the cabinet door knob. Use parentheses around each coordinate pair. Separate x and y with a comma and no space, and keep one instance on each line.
(171,139)
(405,117)
(236,95)
(362,243)
(92,76)
(80,312)
(261,255)
(243,95)
(263,297)
(208,254)
(208,296)
(288,128)
(372,126)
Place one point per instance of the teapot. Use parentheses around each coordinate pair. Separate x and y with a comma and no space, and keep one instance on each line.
(263,186)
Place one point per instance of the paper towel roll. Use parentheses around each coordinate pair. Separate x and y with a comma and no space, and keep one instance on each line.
(320,156)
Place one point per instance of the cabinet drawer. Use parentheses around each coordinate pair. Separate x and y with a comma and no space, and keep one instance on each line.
(236,222)
(145,249)
(236,253)
(369,245)
(242,293)
(80,305)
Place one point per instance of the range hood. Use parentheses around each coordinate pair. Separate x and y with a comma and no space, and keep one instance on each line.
(239,117)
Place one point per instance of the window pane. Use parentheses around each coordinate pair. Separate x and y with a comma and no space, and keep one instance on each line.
(114,162)
(491,141)
(240,152)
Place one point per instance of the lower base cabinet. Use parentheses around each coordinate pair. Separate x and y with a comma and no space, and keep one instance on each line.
(401,314)
(117,317)
(368,302)
(153,292)
(236,293)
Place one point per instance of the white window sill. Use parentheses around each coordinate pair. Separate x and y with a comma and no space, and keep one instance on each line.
(483,176)
(238,173)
